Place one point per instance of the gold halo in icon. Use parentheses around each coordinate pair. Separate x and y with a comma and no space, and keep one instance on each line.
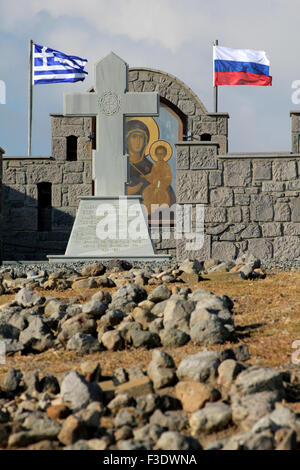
(152,127)
(165,145)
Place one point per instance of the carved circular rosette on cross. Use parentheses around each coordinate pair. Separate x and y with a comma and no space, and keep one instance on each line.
(109,103)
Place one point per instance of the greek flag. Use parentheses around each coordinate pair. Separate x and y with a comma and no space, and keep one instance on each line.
(51,66)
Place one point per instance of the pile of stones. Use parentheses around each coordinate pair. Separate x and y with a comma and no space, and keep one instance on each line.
(127,318)
(116,273)
(162,407)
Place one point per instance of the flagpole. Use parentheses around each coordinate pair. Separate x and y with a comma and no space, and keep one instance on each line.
(215,43)
(30,99)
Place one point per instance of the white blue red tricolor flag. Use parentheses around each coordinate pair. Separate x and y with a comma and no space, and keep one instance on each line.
(51,66)
(241,67)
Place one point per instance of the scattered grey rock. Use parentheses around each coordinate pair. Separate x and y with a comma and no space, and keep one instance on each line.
(148,403)
(11,380)
(135,372)
(82,444)
(105,297)
(150,432)
(172,440)
(95,269)
(76,390)
(134,445)
(27,298)
(249,409)
(95,307)
(159,294)
(156,325)
(8,331)
(201,367)
(257,379)
(12,345)
(145,338)
(161,369)
(19,321)
(130,292)
(112,318)
(121,375)
(123,434)
(171,337)
(120,265)
(37,337)
(37,428)
(177,314)
(171,420)
(282,416)
(209,331)
(213,417)
(122,400)
(81,323)
(31,382)
(83,343)
(129,417)
(228,371)
(190,266)
(112,340)
(159,308)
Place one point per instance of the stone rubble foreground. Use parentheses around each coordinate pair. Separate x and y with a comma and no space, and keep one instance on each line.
(165,407)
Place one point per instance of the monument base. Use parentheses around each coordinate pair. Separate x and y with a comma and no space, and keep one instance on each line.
(69,259)
(107,228)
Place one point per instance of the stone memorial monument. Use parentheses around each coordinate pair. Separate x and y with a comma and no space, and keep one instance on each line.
(110,223)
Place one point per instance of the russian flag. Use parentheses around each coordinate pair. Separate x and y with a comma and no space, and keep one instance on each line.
(241,67)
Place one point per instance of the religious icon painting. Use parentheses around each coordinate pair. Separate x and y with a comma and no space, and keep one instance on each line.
(150,144)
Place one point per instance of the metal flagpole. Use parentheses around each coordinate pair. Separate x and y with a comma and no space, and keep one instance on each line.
(30,99)
(215,43)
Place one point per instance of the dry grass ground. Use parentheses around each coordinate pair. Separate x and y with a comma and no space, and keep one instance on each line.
(267,319)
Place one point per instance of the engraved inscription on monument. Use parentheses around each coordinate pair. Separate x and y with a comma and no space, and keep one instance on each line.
(114,227)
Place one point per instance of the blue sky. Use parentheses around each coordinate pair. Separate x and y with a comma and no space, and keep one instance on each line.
(170,35)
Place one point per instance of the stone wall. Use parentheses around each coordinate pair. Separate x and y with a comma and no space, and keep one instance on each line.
(69,179)
(252,201)
(1,218)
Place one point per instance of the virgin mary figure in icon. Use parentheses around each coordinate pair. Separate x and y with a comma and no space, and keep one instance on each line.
(151,179)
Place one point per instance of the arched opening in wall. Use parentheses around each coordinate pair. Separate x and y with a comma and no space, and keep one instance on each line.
(44,207)
(205,137)
(72,148)
(150,144)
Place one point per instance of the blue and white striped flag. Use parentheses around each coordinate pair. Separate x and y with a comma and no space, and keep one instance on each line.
(51,66)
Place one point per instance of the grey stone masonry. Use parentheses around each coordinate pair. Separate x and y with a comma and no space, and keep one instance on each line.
(251,201)
(1,217)
(72,179)
(69,180)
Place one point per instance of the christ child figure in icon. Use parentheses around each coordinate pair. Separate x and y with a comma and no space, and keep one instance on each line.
(160,177)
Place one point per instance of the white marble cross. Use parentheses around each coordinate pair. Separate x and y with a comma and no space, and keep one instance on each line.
(111,103)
